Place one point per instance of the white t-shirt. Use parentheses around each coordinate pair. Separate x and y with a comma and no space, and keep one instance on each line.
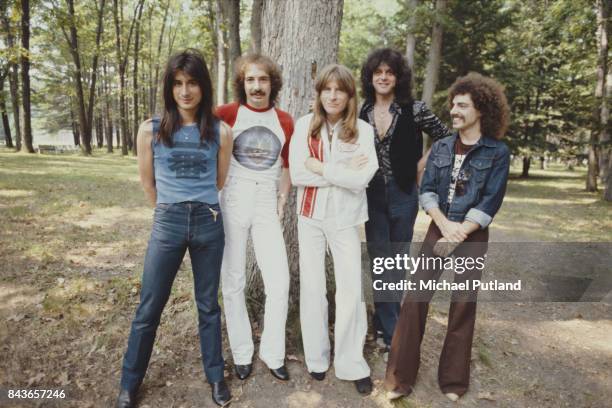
(261,141)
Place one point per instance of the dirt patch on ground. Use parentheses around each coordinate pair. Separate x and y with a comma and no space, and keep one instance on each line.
(70,270)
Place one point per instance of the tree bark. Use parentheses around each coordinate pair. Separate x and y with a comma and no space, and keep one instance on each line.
(302,40)
(75,126)
(5,119)
(73,43)
(135,83)
(94,66)
(25,75)
(122,60)
(255,46)
(410,38)
(526,165)
(155,78)
(221,52)
(13,73)
(233,27)
(108,131)
(603,90)
(433,62)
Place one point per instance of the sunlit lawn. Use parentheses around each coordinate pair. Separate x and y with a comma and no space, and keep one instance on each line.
(73,231)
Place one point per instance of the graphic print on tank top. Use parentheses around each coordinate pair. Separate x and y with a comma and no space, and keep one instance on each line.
(257,148)
(189,163)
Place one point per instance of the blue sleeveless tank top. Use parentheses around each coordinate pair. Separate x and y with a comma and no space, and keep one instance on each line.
(187,171)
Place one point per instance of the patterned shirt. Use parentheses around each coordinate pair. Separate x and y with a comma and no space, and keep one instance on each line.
(425,121)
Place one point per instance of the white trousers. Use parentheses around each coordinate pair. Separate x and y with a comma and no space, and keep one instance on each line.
(351,318)
(249,205)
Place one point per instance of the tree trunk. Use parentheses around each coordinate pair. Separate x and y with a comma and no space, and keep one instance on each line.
(99,131)
(221,52)
(410,38)
(25,75)
(433,62)
(526,165)
(135,82)
(302,40)
(15,102)
(603,91)
(5,119)
(13,73)
(75,126)
(108,131)
(73,43)
(155,78)
(542,162)
(94,67)
(233,27)
(593,167)
(255,46)
(122,60)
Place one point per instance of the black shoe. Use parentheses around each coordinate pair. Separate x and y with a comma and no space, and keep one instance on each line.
(280,373)
(318,376)
(220,393)
(364,385)
(126,399)
(243,371)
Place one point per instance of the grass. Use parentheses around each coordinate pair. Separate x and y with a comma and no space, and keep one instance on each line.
(552,205)
(72,240)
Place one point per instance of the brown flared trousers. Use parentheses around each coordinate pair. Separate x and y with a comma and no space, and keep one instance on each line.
(405,354)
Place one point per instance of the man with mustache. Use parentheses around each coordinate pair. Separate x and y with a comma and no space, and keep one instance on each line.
(398,121)
(253,201)
(462,189)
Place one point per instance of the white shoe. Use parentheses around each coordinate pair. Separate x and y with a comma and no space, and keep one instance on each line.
(393,395)
(452,396)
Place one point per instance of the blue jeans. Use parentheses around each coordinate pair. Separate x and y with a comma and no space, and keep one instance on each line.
(197,227)
(392,213)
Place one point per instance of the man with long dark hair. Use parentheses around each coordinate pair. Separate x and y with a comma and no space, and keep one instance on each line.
(253,201)
(398,121)
(462,189)
(182,161)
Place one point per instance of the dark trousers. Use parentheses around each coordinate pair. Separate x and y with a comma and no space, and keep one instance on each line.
(405,355)
(392,213)
(197,227)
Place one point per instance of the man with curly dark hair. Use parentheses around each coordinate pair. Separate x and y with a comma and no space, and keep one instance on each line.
(253,202)
(462,190)
(392,194)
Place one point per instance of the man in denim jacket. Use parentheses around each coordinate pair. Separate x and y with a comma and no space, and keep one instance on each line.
(462,190)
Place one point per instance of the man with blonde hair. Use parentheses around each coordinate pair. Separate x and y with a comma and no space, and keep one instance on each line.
(332,160)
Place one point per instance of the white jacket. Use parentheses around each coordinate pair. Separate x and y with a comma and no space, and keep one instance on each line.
(347,186)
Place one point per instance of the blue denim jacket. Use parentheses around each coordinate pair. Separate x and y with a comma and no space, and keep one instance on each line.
(487,164)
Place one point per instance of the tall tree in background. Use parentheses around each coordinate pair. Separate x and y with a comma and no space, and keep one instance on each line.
(135,82)
(123,51)
(302,40)
(232,19)
(222,51)
(157,59)
(108,120)
(256,9)
(13,56)
(433,62)
(4,70)
(85,110)
(601,131)
(25,75)
(410,36)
